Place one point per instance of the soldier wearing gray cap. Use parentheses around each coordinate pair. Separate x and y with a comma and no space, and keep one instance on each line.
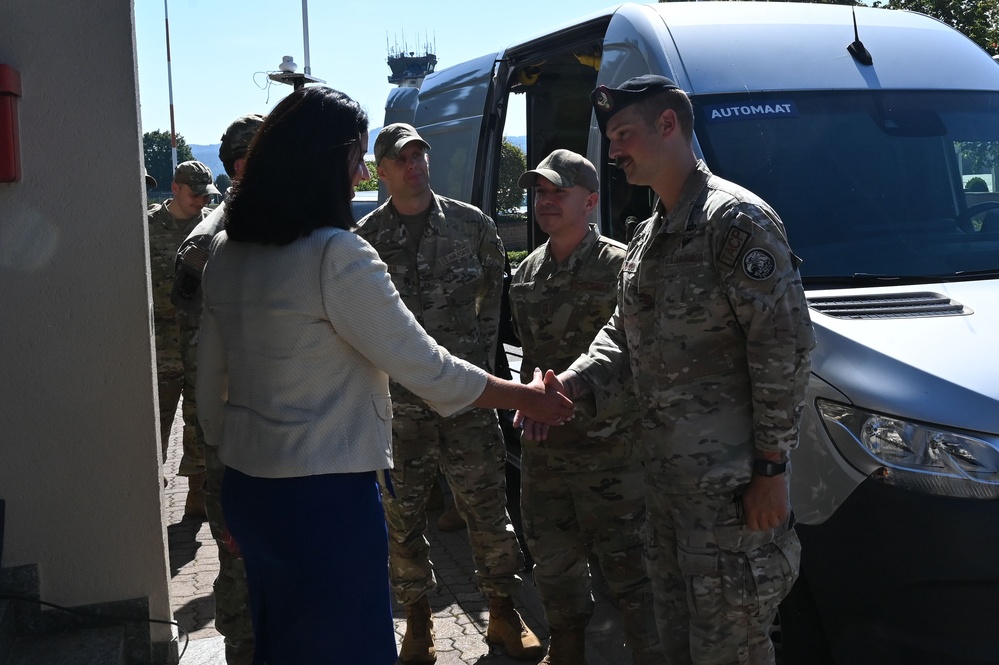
(232,612)
(712,335)
(581,488)
(447,262)
(169,223)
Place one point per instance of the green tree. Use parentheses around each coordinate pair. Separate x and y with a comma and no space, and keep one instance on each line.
(509,195)
(977,19)
(371,184)
(158,156)
(223,182)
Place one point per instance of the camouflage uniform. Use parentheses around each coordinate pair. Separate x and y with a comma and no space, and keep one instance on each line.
(174,340)
(582,487)
(453,285)
(712,334)
(232,602)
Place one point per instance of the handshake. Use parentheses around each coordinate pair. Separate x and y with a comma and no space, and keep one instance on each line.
(551,405)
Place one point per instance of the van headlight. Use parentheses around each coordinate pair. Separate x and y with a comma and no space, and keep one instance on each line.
(911,455)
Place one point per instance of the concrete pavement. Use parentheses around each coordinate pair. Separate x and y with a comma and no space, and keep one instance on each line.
(460,611)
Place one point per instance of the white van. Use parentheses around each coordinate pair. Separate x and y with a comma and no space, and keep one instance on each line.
(885,173)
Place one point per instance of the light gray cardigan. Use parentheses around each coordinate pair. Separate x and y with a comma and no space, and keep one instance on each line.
(296,346)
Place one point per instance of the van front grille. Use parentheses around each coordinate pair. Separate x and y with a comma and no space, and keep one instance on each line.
(900,306)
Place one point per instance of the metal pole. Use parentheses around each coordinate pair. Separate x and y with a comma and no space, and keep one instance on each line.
(305,33)
(173,129)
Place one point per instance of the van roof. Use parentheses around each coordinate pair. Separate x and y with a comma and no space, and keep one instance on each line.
(736,46)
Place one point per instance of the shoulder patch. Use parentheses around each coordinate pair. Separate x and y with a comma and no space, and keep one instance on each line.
(732,246)
(758,264)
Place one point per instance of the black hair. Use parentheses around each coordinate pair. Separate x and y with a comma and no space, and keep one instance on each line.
(298,174)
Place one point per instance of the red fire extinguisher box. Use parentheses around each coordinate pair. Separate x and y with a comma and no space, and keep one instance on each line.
(10,157)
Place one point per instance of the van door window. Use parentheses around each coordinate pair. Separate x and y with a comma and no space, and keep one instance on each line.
(545,104)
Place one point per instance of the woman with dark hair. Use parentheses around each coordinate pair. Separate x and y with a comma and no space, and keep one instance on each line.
(302,327)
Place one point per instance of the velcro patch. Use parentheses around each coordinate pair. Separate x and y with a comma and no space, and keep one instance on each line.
(455,255)
(732,246)
(758,264)
(602,287)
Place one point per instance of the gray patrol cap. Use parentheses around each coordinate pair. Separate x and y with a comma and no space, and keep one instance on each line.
(563,168)
(394,138)
(195,175)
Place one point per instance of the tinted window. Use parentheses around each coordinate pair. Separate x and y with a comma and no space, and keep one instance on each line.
(867,183)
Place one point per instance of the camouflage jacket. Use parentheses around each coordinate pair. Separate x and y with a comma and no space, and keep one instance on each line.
(557,310)
(190,264)
(165,236)
(712,333)
(454,282)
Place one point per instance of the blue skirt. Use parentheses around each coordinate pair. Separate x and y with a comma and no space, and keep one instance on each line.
(316,555)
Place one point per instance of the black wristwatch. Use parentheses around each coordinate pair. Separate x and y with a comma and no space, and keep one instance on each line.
(764,467)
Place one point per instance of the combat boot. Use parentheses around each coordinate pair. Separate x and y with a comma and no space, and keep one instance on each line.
(450,520)
(418,642)
(507,628)
(194,506)
(566,647)
(239,652)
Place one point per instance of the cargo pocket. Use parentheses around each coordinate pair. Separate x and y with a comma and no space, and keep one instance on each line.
(383,409)
(758,567)
(702,576)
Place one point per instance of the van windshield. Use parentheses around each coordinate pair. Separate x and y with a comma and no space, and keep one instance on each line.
(897,185)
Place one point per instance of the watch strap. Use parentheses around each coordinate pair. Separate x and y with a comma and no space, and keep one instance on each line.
(764,467)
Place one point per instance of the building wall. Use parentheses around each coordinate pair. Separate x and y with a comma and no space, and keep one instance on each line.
(79,467)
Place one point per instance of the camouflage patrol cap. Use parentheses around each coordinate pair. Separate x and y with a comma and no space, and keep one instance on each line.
(238,136)
(608,101)
(563,168)
(394,138)
(195,175)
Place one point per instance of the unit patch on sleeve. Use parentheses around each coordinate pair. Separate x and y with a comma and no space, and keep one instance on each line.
(758,264)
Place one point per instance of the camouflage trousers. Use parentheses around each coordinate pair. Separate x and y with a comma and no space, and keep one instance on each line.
(571,515)
(232,601)
(193,460)
(716,583)
(176,375)
(470,450)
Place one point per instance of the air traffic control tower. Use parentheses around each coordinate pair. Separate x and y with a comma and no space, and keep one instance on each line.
(410,67)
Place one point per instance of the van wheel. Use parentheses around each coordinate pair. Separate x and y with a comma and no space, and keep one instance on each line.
(797,633)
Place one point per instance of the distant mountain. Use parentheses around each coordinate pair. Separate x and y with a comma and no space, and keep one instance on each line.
(209,155)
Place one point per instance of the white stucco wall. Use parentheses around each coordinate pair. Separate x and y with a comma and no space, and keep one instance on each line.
(79,463)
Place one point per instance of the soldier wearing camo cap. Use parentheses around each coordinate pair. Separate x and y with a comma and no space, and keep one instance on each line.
(447,261)
(169,223)
(581,489)
(712,335)
(232,612)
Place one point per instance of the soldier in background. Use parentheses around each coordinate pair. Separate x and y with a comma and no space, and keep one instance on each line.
(232,610)
(581,489)
(446,259)
(169,223)
(712,334)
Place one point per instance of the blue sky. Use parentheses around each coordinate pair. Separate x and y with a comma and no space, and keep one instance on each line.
(221,50)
